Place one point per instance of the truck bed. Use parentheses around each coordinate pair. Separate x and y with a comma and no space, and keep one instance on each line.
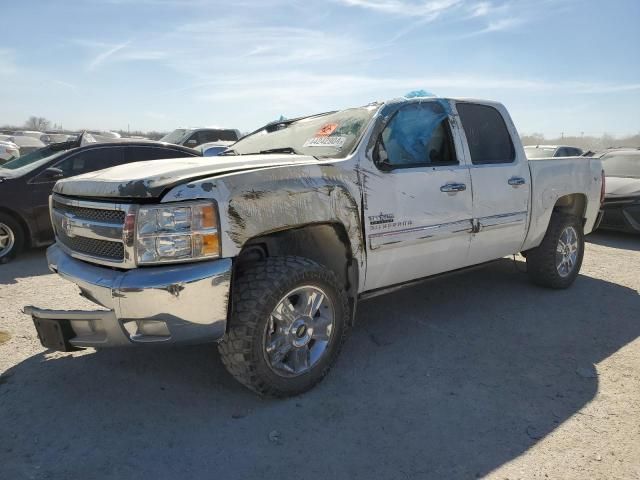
(553,178)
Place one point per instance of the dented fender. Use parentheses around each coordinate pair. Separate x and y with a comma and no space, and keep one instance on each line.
(256,203)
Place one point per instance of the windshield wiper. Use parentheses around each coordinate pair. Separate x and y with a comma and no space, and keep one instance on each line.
(277,150)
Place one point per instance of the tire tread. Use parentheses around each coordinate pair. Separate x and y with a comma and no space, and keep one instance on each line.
(541,264)
(253,293)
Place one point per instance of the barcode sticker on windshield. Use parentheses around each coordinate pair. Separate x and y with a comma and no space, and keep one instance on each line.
(335,142)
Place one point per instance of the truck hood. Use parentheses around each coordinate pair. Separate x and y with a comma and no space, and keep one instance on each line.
(149,179)
(622,187)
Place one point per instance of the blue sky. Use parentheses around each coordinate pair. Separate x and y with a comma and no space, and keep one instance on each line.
(559,65)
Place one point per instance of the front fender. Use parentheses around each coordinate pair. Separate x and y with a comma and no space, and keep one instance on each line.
(260,202)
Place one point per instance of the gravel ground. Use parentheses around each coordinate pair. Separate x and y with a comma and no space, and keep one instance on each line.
(478,374)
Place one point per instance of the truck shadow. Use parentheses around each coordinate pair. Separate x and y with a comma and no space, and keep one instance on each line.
(449,379)
(28,264)
(620,240)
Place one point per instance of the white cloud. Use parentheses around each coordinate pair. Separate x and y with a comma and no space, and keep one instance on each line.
(253,44)
(484,16)
(156,115)
(480,9)
(430,9)
(102,57)
(600,88)
(500,25)
(296,88)
(65,84)
(7,62)
(201,49)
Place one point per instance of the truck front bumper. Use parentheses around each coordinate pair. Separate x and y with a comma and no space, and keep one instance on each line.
(176,304)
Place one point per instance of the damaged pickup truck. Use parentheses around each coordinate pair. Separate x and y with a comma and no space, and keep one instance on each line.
(268,250)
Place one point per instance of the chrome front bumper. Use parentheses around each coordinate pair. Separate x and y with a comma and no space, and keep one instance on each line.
(174,304)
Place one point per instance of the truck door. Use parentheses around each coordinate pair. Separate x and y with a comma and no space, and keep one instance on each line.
(416,196)
(501,182)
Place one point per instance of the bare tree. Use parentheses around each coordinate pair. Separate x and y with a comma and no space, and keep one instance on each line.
(37,123)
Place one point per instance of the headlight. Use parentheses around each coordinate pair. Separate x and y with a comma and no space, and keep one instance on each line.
(182,232)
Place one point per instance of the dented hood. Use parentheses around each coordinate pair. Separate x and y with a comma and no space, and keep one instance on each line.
(150,179)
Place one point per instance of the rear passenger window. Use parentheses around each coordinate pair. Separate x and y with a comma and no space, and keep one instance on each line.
(137,154)
(487,135)
(417,135)
(90,160)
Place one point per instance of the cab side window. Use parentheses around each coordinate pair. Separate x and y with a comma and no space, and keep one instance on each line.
(487,135)
(418,135)
(562,152)
(209,136)
(574,152)
(193,141)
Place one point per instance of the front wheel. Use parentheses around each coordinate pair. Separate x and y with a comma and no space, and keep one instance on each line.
(556,262)
(11,238)
(288,322)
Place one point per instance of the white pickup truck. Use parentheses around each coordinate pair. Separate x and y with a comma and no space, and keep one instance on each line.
(268,248)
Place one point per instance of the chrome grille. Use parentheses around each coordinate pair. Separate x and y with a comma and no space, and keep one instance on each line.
(99,215)
(91,246)
(94,231)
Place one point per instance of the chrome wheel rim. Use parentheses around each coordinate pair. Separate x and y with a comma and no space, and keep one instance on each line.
(7,239)
(567,251)
(298,331)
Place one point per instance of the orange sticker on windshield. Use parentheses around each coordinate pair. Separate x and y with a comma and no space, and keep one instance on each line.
(326,130)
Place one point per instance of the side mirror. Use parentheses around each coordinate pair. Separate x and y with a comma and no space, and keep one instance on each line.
(193,141)
(52,173)
(380,157)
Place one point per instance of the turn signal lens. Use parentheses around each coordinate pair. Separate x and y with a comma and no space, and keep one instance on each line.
(207,216)
(207,245)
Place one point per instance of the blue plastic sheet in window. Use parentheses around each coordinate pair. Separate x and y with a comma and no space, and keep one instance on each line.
(408,134)
(419,94)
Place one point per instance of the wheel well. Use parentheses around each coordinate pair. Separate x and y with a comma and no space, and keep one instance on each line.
(25,227)
(326,243)
(574,204)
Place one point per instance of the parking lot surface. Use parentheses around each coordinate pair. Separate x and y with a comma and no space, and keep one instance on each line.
(473,375)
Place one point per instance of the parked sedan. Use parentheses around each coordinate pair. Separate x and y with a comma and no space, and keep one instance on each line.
(26,143)
(192,137)
(8,151)
(26,184)
(551,151)
(622,192)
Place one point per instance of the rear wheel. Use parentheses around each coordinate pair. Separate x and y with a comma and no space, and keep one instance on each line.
(289,320)
(557,261)
(11,238)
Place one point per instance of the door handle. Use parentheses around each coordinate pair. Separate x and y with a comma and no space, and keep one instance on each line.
(516,181)
(453,187)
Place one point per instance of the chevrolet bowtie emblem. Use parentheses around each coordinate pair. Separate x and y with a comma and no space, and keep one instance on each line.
(67,226)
